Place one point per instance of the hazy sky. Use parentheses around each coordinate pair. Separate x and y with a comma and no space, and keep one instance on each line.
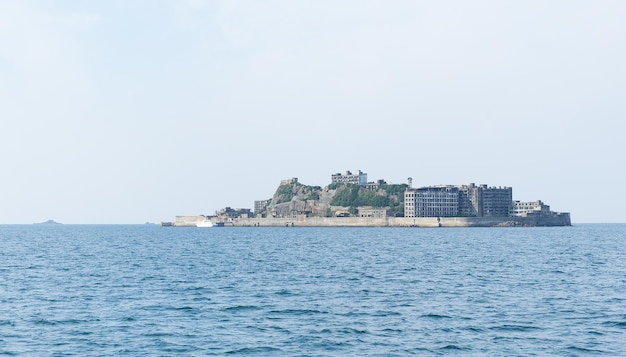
(134,111)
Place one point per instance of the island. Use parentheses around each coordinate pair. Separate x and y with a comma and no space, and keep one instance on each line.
(50,221)
(350,200)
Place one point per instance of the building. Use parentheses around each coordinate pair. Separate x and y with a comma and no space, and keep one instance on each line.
(442,201)
(228,213)
(409,202)
(523,209)
(470,200)
(291,181)
(484,201)
(374,186)
(458,201)
(358,179)
(259,206)
(373,212)
(497,202)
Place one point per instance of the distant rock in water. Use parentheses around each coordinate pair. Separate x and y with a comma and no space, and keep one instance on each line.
(50,221)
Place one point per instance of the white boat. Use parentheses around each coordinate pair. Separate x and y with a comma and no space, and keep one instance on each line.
(205,224)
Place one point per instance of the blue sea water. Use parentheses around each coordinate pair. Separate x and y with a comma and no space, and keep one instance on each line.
(144,290)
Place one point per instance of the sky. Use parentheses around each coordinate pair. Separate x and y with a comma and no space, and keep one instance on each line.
(139,111)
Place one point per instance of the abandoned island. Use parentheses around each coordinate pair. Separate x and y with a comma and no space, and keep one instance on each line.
(350,200)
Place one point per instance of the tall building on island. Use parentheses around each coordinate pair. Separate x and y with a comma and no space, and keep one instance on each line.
(497,202)
(431,202)
(458,201)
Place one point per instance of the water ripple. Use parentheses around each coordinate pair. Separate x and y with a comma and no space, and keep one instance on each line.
(143,291)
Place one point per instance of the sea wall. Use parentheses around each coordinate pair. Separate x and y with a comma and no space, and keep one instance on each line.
(187,221)
(303,221)
(562,219)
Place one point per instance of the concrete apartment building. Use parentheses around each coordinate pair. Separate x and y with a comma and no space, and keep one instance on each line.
(259,206)
(431,202)
(458,201)
(357,179)
(497,202)
(523,209)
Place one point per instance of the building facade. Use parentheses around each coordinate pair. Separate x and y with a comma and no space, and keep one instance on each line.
(231,213)
(356,179)
(431,202)
(523,209)
(259,206)
(373,212)
(409,202)
(373,186)
(497,201)
(470,200)
(458,201)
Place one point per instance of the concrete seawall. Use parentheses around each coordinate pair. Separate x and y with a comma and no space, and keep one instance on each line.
(562,219)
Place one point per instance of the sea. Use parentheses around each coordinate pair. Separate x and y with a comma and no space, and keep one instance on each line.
(147,290)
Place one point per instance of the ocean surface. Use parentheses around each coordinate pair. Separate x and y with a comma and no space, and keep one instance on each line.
(146,290)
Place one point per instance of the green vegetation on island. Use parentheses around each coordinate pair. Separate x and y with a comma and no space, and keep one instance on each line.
(337,199)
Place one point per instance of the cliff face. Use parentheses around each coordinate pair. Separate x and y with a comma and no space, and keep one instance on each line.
(294,198)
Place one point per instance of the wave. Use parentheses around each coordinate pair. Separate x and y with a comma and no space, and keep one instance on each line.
(435,316)
(584,350)
(242,308)
(248,350)
(618,324)
(449,348)
(518,328)
(298,312)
